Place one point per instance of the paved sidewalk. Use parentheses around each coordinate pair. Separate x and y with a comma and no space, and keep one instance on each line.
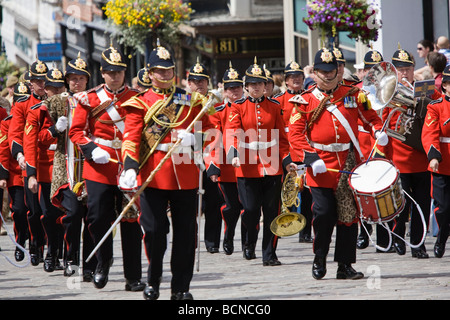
(221,277)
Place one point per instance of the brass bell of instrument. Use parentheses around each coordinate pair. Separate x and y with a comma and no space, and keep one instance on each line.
(289,223)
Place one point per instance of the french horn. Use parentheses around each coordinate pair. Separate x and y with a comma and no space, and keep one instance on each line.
(288,222)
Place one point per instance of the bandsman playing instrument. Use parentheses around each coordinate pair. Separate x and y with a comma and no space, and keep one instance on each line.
(366,143)
(198,81)
(436,139)
(11,176)
(154,120)
(415,178)
(67,175)
(39,148)
(258,145)
(97,129)
(221,171)
(36,75)
(294,78)
(322,133)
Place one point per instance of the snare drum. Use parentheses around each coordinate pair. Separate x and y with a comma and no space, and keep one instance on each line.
(377,190)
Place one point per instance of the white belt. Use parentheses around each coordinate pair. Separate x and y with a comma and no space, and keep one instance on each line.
(165,147)
(444,139)
(333,147)
(52,147)
(115,144)
(258,145)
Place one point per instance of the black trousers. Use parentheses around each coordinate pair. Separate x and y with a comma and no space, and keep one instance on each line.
(50,215)
(155,223)
(104,202)
(256,194)
(324,219)
(441,191)
(231,210)
(305,210)
(36,230)
(19,213)
(418,186)
(76,212)
(212,200)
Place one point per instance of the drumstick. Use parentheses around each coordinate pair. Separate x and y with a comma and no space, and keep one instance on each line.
(376,142)
(336,170)
(115,161)
(340,171)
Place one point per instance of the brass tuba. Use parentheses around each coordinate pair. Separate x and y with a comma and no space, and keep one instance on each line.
(289,223)
(383,88)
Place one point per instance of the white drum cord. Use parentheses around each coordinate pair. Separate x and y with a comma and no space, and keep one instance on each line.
(27,255)
(390,233)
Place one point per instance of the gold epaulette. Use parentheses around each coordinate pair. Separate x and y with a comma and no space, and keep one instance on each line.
(135,102)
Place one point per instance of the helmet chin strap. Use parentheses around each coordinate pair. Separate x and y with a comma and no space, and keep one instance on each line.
(326,80)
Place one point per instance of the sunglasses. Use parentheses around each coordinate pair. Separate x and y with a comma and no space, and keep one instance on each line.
(419,49)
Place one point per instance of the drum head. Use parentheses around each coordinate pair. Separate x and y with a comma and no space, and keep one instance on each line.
(374,176)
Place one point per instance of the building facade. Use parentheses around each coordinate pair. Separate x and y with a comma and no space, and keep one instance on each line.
(404,21)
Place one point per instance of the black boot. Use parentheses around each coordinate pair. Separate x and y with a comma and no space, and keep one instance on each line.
(345,271)
(319,268)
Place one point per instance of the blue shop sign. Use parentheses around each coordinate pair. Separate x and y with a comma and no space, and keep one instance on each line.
(49,51)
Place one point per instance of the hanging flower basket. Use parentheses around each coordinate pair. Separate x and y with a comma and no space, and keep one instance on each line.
(135,20)
(356,17)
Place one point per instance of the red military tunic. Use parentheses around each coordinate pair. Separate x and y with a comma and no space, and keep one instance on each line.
(93,128)
(436,134)
(217,162)
(39,153)
(9,167)
(286,106)
(258,136)
(407,159)
(179,172)
(17,125)
(327,131)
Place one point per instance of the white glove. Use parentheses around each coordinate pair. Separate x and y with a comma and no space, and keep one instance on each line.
(382,138)
(100,156)
(128,179)
(187,138)
(318,166)
(61,124)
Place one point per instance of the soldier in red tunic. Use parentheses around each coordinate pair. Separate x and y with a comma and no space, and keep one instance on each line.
(260,152)
(11,175)
(97,128)
(162,115)
(294,78)
(221,171)
(323,134)
(36,75)
(436,142)
(412,164)
(198,80)
(39,152)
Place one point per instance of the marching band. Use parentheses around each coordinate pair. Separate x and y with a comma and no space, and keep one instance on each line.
(73,156)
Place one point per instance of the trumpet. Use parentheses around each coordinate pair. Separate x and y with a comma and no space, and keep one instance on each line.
(288,222)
